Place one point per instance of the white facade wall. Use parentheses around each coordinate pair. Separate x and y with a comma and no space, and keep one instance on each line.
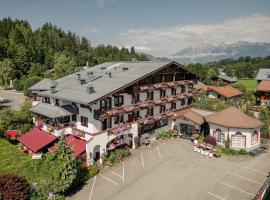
(232,131)
(94,126)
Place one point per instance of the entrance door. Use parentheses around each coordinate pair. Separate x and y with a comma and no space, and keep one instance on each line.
(130,117)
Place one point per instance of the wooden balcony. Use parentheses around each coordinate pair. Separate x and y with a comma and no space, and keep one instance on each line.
(142,105)
(164,85)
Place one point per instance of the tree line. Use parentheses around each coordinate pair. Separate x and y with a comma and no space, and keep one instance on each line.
(49,51)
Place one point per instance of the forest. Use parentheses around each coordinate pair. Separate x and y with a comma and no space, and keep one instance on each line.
(27,55)
(241,68)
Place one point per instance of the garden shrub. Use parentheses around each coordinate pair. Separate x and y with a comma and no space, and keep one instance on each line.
(13,187)
(92,171)
(210,140)
(229,151)
(116,156)
(164,135)
(243,152)
(18,85)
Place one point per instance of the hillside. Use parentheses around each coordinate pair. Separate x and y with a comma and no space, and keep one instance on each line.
(25,52)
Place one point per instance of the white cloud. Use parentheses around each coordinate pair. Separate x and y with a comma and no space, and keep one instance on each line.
(90,30)
(166,41)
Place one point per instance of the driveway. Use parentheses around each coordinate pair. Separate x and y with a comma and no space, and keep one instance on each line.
(172,170)
(12,99)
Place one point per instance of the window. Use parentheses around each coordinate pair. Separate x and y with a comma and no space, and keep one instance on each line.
(190,100)
(106,124)
(183,102)
(84,121)
(136,114)
(74,118)
(57,102)
(65,119)
(150,95)
(106,104)
(162,93)
(183,89)
(173,91)
(219,136)
(118,100)
(162,108)
(46,99)
(254,137)
(173,105)
(150,111)
(238,140)
(136,98)
(118,119)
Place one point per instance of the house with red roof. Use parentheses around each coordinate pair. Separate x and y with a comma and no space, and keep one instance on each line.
(223,93)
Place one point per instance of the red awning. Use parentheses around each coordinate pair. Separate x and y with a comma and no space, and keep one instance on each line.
(36,139)
(11,134)
(77,145)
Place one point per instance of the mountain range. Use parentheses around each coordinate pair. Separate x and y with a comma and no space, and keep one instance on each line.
(203,53)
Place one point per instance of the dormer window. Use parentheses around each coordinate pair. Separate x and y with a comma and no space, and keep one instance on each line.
(46,100)
(57,102)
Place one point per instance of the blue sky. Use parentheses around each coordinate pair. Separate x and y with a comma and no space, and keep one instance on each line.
(160,27)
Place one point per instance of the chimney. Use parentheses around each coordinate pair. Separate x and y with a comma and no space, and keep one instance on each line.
(83,81)
(90,89)
(87,64)
(52,88)
(78,76)
(89,73)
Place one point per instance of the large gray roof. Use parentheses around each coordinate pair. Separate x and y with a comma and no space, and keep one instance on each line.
(122,74)
(263,74)
(51,111)
(227,78)
(44,84)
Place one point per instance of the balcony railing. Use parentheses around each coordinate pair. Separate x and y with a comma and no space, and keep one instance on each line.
(143,88)
(98,114)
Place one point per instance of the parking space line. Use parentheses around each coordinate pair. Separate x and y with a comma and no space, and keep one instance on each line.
(259,172)
(250,180)
(215,195)
(106,178)
(236,188)
(115,173)
(123,174)
(92,189)
(158,152)
(142,159)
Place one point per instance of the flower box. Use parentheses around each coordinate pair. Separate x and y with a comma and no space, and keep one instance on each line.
(129,109)
(143,88)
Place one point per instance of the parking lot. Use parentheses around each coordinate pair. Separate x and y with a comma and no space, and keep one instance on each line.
(11,99)
(172,170)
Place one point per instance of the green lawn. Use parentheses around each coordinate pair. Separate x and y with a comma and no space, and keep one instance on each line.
(12,161)
(251,84)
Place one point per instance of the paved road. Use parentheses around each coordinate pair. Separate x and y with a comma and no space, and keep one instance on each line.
(172,170)
(12,99)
